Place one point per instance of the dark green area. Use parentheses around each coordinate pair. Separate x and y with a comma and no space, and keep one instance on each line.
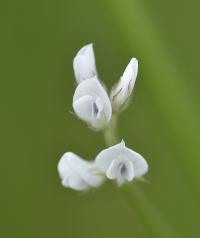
(39,41)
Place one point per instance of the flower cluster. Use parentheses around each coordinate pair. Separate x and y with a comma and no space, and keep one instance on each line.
(92,104)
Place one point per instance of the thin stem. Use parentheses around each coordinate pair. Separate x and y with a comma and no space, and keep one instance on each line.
(110,133)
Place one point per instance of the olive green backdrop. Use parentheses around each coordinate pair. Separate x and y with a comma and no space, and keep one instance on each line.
(39,41)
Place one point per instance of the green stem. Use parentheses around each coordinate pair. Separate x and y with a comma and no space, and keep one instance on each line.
(110,133)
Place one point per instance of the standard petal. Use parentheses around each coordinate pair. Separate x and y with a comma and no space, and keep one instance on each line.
(105,157)
(84,64)
(88,52)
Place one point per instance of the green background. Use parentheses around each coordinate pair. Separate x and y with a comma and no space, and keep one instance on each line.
(39,40)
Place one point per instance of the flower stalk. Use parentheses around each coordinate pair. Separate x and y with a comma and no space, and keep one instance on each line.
(110,133)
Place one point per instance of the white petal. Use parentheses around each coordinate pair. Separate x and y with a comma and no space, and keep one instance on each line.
(75,183)
(130,172)
(87,170)
(130,74)
(139,163)
(84,63)
(83,107)
(122,91)
(88,52)
(96,100)
(64,168)
(70,177)
(91,87)
(105,157)
(77,163)
(93,179)
(78,184)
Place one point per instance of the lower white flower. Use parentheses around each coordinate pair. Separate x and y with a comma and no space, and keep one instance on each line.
(121,163)
(92,104)
(77,173)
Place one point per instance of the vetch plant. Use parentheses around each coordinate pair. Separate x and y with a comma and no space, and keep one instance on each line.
(92,104)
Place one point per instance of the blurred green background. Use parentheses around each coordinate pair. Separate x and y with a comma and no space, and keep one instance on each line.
(39,41)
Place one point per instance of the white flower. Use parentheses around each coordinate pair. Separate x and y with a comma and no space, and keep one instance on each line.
(121,92)
(84,64)
(121,163)
(92,104)
(77,173)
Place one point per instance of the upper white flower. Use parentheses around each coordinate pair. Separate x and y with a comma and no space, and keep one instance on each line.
(121,163)
(92,104)
(77,173)
(84,64)
(121,92)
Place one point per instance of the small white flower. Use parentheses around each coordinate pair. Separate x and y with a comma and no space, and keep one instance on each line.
(92,104)
(77,173)
(121,163)
(121,92)
(84,64)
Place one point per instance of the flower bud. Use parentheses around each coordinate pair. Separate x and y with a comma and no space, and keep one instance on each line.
(92,104)
(84,64)
(121,92)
